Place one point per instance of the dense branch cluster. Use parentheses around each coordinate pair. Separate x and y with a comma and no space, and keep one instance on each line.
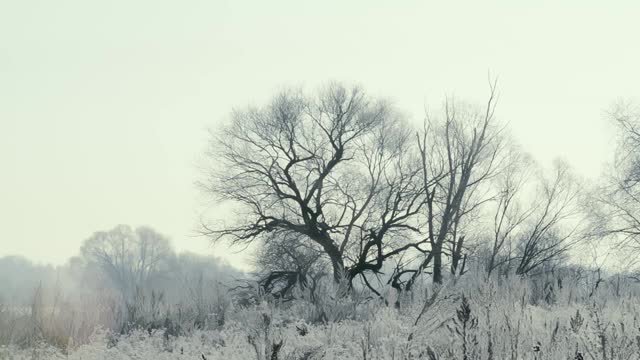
(341,179)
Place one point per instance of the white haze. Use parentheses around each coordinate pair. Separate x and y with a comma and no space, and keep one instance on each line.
(104,106)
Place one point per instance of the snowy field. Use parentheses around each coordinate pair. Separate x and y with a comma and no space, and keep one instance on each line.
(512,320)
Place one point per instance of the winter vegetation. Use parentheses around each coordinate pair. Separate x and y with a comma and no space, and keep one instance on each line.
(569,314)
(374,238)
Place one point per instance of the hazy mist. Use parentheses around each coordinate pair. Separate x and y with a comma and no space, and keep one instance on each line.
(105,106)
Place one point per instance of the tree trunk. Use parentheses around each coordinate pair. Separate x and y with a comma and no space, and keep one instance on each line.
(437,263)
(456,256)
(492,261)
(338,269)
(336,262)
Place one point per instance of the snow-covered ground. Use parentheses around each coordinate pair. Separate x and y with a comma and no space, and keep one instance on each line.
(488,321)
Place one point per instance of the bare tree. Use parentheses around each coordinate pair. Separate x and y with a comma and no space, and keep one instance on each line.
(509,214)
(334,169)
(551,228)
(458,154)
(129,258)
(614,206)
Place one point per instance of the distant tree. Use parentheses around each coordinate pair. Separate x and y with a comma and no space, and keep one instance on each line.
(552,223)
(211,267)
(19,277)
(129,258)
(534,218)
(507,212)
(614,205)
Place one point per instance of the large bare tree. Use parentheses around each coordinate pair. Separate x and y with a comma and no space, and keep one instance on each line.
(335,168)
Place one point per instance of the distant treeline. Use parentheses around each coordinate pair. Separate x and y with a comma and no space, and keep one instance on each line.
(121,261)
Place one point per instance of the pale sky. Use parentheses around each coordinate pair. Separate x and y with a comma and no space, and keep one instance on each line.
(104,105)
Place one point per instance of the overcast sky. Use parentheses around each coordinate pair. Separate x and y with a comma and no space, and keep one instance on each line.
(104,105)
